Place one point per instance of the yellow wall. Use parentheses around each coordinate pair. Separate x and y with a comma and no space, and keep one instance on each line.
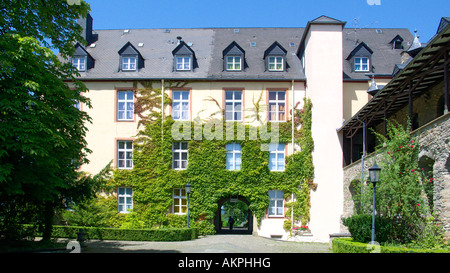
(355,96)
(104,131)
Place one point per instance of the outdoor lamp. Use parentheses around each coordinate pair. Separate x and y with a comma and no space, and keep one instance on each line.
(374,173)
(188,188)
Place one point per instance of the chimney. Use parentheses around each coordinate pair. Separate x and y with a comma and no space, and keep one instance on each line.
(86,24)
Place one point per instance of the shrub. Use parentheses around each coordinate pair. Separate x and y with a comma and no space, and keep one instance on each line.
(204,227)
(93,233)
(95,212)
(360,226)
(348,245)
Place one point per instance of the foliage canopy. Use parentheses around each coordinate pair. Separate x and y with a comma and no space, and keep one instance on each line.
(41,131)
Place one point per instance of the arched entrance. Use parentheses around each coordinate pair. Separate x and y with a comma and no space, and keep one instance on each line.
(235,207)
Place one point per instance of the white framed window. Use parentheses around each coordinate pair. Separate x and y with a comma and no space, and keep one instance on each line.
(183,63)
(233,105)
(275,63)
(125,105)
(179,205)
(125,199)
(277,105)
(179,155)
(129,63)
(79,63)
(180,105)
(233,156)
(276,156)
(234,63)
(361,64)
(276,203)
(124,154)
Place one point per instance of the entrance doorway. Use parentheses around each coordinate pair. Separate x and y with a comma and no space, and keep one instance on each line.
(233,216)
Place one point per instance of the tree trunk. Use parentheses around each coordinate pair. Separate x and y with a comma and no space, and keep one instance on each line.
(48,221)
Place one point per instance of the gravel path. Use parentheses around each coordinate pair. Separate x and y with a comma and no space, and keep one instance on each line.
(208,244)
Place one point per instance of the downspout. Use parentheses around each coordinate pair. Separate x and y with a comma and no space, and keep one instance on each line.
(363,155)
(293,114)
(293,149)
(162,112)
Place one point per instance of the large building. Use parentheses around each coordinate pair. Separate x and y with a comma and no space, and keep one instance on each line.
(332,65)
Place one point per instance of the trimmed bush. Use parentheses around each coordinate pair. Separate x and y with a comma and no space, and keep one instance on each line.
(348,245)
(360,226)
(163,234)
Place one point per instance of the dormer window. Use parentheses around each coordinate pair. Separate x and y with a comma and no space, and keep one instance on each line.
(397,42)
(130,58)
(183,57)
(361,64)
(397,45)
(79,63)
(360,58)
(234,57)
(275,58)
(82,60)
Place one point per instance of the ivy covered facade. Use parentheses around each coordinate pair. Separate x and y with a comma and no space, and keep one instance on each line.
(164,164)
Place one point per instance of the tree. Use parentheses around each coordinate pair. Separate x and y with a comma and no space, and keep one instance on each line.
(41,131)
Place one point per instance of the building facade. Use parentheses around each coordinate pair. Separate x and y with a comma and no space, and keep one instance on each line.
(208,70)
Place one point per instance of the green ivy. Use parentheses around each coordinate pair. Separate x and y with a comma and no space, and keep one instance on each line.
(153,179)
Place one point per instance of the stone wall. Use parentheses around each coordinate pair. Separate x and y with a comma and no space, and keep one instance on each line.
(434,141)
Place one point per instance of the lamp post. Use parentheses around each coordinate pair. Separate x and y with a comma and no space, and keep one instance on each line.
(374,175)
(188,191)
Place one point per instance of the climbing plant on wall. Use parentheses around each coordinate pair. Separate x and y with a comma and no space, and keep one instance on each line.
(153,179)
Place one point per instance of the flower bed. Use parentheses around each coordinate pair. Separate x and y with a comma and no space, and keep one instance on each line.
(302,230)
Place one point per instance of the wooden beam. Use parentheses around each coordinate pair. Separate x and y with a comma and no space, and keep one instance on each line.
(385,120)
(410,102)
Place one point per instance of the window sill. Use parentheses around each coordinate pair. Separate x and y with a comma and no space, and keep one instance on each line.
(276,217)
(125,120)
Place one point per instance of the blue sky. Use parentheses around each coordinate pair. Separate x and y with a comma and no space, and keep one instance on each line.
(412,14)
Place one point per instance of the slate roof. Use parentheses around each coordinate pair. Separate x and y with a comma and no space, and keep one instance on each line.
(384,57)
(209,44)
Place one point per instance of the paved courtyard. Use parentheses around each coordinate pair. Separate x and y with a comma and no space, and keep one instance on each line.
(208,244)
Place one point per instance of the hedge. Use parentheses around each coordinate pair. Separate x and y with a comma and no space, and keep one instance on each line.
(94,233)
(347,245)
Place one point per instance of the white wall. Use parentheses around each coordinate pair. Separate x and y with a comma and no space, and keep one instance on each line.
(323,69)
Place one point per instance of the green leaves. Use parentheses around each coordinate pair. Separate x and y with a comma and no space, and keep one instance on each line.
(42,132)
